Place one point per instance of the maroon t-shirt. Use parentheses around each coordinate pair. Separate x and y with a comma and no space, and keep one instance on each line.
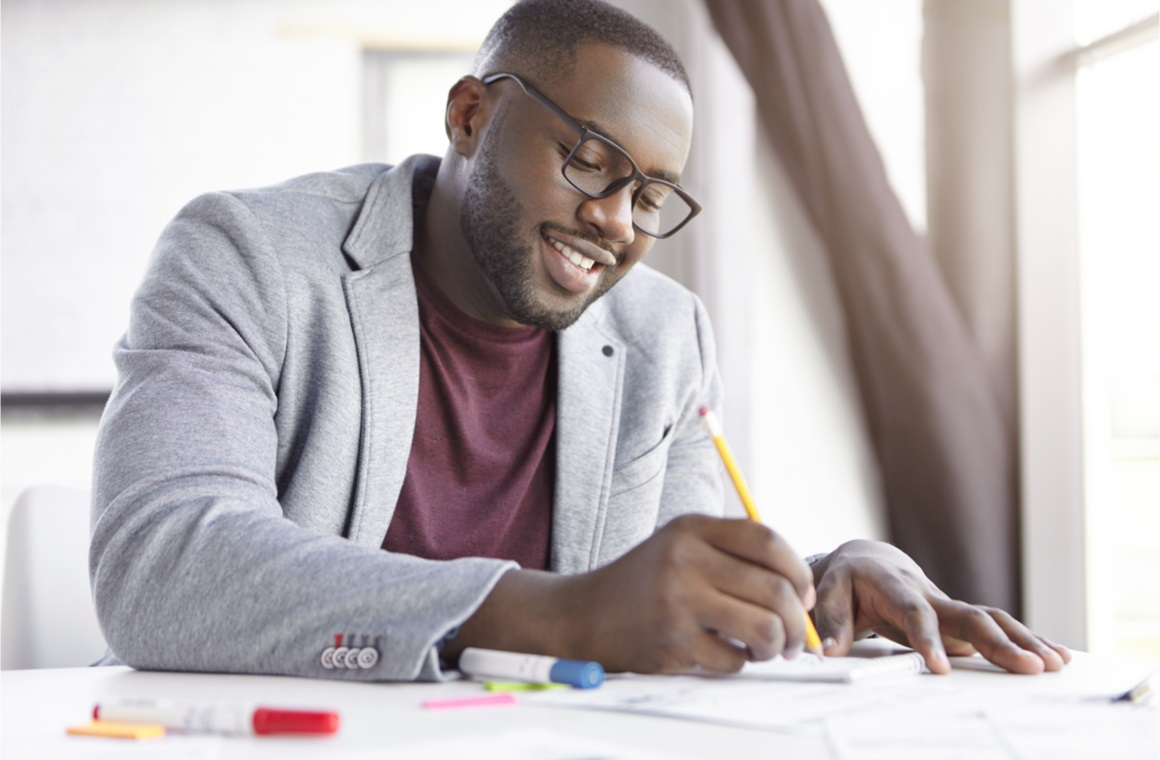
(483,461)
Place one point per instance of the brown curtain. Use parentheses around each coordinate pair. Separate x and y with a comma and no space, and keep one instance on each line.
(946,451)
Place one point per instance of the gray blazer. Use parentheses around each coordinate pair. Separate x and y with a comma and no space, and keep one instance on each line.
(251,455)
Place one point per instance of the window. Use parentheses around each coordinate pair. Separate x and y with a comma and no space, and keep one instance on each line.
(1118,150)
(404,95)
(1086,192)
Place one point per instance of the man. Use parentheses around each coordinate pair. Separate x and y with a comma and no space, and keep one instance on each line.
(368,418)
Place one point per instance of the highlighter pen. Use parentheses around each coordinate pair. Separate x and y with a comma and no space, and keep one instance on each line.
(813,641)
(214,718)
(492,665)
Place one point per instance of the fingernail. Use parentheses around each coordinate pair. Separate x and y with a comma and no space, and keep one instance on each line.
(829,643)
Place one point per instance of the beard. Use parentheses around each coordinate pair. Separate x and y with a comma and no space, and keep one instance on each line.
(490,222)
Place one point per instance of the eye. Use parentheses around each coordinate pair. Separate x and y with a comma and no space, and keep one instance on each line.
(653,197)
(581,164)
(589,158)
(563,149)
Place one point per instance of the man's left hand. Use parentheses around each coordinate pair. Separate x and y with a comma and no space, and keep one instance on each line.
(870,586)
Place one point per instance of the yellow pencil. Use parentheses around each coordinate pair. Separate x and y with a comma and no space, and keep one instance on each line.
(813,641)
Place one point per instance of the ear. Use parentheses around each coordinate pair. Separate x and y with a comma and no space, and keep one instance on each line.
(468,108)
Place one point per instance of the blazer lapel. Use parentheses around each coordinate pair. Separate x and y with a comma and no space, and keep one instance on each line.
(384,314)
(385,318)
(591,367)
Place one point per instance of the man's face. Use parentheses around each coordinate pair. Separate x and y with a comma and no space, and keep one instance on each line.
(548,249)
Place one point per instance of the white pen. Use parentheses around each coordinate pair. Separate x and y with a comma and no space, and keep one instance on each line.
(532,668)
(216,718)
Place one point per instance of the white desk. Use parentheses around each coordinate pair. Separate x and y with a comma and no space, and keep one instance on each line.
(38,705)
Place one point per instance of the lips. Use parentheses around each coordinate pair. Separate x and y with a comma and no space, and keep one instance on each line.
(575,266)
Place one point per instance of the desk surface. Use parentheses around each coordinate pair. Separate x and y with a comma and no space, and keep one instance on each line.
(39,704)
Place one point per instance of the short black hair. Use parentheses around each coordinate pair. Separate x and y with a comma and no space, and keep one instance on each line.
(540,38)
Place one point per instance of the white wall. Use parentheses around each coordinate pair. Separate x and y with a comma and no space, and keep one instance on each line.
(116,113)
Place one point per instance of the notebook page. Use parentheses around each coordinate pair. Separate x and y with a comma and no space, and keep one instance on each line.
(809,667)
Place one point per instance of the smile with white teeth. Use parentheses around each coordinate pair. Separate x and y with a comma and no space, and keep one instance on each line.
(572,255)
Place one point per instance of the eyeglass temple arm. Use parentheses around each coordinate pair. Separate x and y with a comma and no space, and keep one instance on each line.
(537,96)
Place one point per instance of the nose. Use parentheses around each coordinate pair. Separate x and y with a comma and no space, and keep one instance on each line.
(612,215)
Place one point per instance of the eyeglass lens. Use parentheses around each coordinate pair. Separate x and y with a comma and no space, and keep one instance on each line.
(598,168)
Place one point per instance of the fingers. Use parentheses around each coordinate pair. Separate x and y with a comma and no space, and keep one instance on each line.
(712,653)
(874,586)
(765,634)
(1051,655)
(1001,638)
(908,611)
(1063,652)
(754,542)
(753,605)
(834,615)
(749,585)
(891,603)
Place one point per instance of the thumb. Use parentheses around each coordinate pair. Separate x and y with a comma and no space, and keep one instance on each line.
(834,616)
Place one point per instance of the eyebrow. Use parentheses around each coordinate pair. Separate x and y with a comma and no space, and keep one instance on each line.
(595,126)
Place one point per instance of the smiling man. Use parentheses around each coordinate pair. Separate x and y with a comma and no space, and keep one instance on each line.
(579,251)
(370,417)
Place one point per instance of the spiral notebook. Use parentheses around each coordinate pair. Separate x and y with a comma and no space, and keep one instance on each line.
(809,667)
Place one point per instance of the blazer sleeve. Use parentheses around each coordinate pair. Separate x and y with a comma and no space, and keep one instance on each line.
(194,566)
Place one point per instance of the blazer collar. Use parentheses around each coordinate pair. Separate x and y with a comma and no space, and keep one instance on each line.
(385,227)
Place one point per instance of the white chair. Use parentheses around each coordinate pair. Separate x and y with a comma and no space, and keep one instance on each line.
(48,616)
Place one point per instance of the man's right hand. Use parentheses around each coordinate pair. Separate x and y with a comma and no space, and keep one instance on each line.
(701,592)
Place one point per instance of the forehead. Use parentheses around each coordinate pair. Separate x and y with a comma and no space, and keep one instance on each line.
(631,101)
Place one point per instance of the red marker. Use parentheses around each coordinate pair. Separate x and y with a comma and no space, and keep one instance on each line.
(213,718)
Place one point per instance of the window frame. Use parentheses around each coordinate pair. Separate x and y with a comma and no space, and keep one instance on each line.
(1046,60)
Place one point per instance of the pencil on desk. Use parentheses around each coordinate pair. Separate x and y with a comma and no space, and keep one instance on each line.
(813,641)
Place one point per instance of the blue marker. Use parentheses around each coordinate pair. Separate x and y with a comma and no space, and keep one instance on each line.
(492,665)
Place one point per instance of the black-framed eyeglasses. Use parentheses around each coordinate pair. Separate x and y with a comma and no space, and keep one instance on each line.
(598,167)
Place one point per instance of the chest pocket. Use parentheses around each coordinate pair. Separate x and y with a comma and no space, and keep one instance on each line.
(635,500)
(642,470)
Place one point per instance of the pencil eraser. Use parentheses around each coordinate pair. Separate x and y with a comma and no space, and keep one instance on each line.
(703,410)
(118,730)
